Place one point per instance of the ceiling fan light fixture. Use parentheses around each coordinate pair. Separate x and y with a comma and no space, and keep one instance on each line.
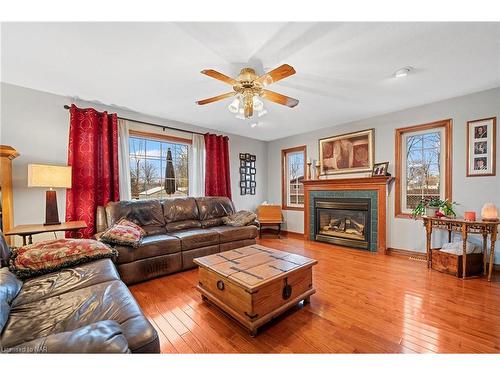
(258,105)
(234,107)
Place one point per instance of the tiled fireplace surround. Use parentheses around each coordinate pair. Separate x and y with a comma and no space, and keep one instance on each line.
(373,188)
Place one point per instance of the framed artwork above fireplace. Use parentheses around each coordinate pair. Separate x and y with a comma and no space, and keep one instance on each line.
(347,153)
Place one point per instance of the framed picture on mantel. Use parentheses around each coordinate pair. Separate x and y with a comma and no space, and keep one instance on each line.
(481,147)
(347,153)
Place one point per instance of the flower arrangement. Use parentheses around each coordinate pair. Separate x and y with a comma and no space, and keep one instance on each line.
(434,207)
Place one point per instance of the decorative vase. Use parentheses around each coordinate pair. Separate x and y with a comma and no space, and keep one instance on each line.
(431,211)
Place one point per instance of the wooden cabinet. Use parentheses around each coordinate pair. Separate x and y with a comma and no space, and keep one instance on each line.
(7,154)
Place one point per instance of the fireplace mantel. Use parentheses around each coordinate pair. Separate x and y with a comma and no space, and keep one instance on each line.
(383,180)
(380,185)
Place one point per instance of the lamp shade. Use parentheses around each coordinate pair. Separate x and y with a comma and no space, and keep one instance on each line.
(51,176)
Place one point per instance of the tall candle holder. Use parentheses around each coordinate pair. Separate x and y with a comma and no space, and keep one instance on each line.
(308,172)
(318,170)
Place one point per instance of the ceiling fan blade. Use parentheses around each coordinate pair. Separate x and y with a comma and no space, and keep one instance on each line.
(275,75)
(280,99)
(221,77)
(215,98)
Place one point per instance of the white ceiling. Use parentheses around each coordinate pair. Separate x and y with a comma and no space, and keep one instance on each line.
(344,70)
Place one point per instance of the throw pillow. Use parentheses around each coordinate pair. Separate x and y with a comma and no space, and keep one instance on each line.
(123,232)
(49,256)
(239,219)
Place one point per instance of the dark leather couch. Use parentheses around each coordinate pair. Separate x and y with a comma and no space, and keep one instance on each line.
(82,309)
(178,230)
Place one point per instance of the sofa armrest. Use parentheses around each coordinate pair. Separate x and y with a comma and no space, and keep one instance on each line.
(101,337)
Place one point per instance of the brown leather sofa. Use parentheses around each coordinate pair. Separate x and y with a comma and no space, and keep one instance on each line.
(177,231)
(81,309)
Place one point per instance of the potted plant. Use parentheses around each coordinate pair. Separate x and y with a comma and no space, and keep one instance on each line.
(432,206)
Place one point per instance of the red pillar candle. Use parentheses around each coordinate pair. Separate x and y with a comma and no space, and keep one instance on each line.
(470,215)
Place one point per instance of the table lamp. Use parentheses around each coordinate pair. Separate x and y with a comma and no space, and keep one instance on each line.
(49,176)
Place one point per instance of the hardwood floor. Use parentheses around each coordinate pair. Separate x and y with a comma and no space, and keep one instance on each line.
(365,303)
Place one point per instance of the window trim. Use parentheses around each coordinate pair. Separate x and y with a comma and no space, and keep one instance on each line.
(446,125)
(159,137)
(284,200)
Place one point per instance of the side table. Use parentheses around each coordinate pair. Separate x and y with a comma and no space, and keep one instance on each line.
(28,230)
(483,228)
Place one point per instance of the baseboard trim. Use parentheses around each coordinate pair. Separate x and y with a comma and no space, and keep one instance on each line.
(405,253)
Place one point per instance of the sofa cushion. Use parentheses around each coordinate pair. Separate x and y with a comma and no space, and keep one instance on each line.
(66,280)
(229,234)
(148,214)
(213,209)
(151,246)
(10,286)
(124,232)
(105,301)
(239,219)
(180,213)
(194,238)
(49,256)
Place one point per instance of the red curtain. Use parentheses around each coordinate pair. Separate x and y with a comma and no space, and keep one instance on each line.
(217,180)
(93,156)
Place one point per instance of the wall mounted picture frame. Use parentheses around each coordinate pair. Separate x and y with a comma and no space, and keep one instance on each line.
(347,153)
(380,169)
(247,174)
(481,147)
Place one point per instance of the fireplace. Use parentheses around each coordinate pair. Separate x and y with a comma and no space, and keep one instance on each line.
(343,221)
(374,190)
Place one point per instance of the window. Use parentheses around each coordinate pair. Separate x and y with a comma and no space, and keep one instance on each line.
(148,159)
(293,169)
(423,165)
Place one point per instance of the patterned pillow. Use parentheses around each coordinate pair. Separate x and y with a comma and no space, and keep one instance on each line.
(239,219)
(124,232)
(49,256)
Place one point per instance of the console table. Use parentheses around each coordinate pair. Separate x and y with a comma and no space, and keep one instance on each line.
(483,228)
(28,230)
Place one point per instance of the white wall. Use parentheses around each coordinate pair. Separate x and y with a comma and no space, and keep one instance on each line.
(470,192)
(36,124)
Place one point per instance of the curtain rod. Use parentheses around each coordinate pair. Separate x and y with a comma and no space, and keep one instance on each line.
(150,123)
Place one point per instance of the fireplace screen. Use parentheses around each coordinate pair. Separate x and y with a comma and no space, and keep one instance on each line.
(344,222)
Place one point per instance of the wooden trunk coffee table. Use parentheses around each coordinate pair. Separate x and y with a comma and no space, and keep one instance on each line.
(254,284)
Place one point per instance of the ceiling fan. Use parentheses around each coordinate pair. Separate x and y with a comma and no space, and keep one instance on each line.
(248,88)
